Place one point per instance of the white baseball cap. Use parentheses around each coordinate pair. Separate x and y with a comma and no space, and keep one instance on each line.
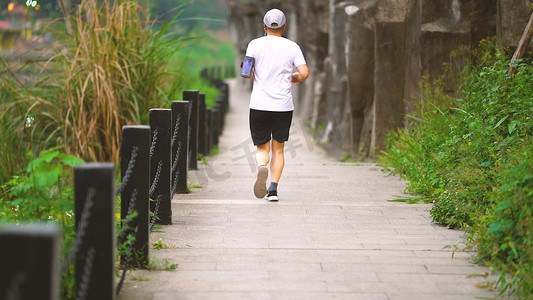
(274,19)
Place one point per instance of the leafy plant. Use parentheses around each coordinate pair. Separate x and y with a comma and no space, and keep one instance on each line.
(159,244)
(504,237)
(471,156)
(44,192)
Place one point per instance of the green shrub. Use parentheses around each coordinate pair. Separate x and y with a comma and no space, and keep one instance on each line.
(505,236)
(420,153)
(472,157)
(44,192)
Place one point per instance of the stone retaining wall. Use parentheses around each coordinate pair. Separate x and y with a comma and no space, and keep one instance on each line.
(367,57)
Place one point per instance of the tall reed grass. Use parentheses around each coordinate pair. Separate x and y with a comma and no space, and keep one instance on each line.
(106,71)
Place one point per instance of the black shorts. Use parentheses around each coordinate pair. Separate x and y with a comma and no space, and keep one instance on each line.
(265,125)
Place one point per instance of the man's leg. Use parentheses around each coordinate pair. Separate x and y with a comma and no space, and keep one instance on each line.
(280,134)
(262,157)
(278,160)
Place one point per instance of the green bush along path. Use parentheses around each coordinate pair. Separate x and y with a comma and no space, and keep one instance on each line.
(472,156)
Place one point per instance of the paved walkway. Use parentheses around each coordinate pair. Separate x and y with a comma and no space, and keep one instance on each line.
(332,235)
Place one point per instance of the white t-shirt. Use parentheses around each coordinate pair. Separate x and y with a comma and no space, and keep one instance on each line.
(275,60)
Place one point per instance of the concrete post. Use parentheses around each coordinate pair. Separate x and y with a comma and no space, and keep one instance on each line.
(160,180)
(215,120)
(210,131)
(221,115)
(94,211)
(136,137)
(192,97)
(202,123)
(180,141)
(29,260)
(224,90)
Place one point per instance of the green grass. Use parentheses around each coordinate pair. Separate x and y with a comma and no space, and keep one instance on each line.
(159,245)
(136,277)
(161,264)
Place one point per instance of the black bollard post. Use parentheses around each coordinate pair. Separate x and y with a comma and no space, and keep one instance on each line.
(215,120)
(224,91)
(94,211)
(202,123)
(209,130)
(192,97)
(160,157)
(227,95)
(135,171)
(222,108)
(180,144)
(221,116)
(29,260)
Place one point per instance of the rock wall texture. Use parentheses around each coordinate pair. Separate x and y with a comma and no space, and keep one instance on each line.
(367,57)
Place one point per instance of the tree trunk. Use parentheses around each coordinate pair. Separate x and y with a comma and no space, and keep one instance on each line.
(522,45)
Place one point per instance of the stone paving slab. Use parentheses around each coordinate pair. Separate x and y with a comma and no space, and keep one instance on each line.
(334,234)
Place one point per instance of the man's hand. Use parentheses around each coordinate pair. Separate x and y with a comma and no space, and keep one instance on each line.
(295,77)
(301,74)
(252,75)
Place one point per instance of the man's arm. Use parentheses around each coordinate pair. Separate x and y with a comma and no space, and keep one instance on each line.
(301,74)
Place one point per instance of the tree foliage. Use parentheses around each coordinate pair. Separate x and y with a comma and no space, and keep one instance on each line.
(193,13)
